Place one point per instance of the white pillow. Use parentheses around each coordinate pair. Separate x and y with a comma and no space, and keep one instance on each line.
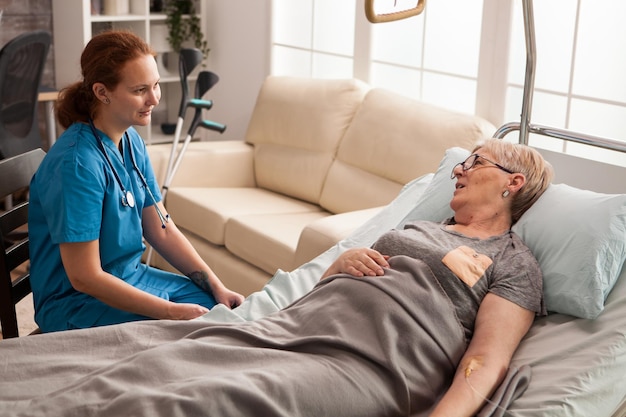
(579,239)
(434,205)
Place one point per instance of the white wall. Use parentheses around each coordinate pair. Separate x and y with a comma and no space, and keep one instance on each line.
(239,36)
(585,173)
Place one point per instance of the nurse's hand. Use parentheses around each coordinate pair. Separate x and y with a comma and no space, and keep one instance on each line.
(184,311)
(230,299)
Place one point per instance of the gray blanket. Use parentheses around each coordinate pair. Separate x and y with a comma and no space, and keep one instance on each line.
(385,346)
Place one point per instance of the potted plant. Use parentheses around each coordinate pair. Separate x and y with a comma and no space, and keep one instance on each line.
(183,24)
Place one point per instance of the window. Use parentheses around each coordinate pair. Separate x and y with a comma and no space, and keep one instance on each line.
(421,57)
(579,81)
(469,55)
(313,38)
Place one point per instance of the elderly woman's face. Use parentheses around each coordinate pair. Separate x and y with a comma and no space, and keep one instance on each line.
(481,184)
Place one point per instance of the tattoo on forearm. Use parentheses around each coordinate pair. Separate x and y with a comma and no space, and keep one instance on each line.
(201,279)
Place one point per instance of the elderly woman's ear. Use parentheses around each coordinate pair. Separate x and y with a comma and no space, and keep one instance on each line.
(516,182)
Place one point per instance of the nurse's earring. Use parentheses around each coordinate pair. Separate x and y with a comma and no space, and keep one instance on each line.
(505,194)
(106,100)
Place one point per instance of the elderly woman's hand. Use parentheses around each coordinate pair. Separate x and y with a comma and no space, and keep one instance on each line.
(359,262)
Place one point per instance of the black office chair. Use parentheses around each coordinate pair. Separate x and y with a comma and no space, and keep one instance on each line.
(22,62)
(15,175)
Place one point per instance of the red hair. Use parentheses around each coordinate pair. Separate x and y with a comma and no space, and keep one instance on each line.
(101,62)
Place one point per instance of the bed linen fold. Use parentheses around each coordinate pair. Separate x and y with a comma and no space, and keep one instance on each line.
(511,388)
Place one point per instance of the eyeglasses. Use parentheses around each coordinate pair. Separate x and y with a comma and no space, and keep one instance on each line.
(471,161)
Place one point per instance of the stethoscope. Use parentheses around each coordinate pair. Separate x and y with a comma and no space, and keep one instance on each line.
(128,200)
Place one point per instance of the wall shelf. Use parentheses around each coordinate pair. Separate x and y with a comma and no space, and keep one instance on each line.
(74,25)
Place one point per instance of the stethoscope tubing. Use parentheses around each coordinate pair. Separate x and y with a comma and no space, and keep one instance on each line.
(127,197)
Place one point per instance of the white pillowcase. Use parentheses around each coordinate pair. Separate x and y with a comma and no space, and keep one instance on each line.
(579,239)
(434,205)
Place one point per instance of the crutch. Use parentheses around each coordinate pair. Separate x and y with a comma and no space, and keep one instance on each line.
(206,80)
(188,60)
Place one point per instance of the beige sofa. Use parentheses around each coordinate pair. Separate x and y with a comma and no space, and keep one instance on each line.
(319,158)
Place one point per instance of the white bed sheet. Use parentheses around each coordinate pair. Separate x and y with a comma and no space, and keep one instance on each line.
(621,410)
(578,365)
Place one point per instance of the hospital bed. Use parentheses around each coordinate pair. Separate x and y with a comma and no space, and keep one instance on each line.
(576,355)
(577,230)
(578,364)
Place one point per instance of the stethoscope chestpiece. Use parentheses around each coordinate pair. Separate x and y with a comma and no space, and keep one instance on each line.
(128,200)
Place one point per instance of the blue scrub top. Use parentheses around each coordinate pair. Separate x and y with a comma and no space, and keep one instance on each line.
(75,197)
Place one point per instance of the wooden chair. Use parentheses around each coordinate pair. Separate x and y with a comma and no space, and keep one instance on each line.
(15,175)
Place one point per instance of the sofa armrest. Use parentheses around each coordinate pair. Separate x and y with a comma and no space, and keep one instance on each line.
(226,163)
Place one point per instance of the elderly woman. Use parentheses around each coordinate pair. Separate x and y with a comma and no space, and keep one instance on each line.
(424,322)
(485,269)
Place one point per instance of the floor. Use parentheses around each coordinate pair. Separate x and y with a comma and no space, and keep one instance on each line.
(25,316)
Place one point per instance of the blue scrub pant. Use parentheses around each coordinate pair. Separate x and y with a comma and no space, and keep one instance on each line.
(169,286)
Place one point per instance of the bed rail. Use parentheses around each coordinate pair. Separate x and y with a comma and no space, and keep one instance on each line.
(524,126)
(564,134)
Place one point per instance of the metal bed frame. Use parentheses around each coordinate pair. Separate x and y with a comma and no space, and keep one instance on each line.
(524,126)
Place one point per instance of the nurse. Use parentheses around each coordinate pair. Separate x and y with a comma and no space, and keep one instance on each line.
(95,197)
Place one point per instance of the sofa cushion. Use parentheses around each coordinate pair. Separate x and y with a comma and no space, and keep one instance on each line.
(227,163)
(296,127)
(393,139)
(351,188)
(319,235)
(268,241)
(236,274)
(205,211)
